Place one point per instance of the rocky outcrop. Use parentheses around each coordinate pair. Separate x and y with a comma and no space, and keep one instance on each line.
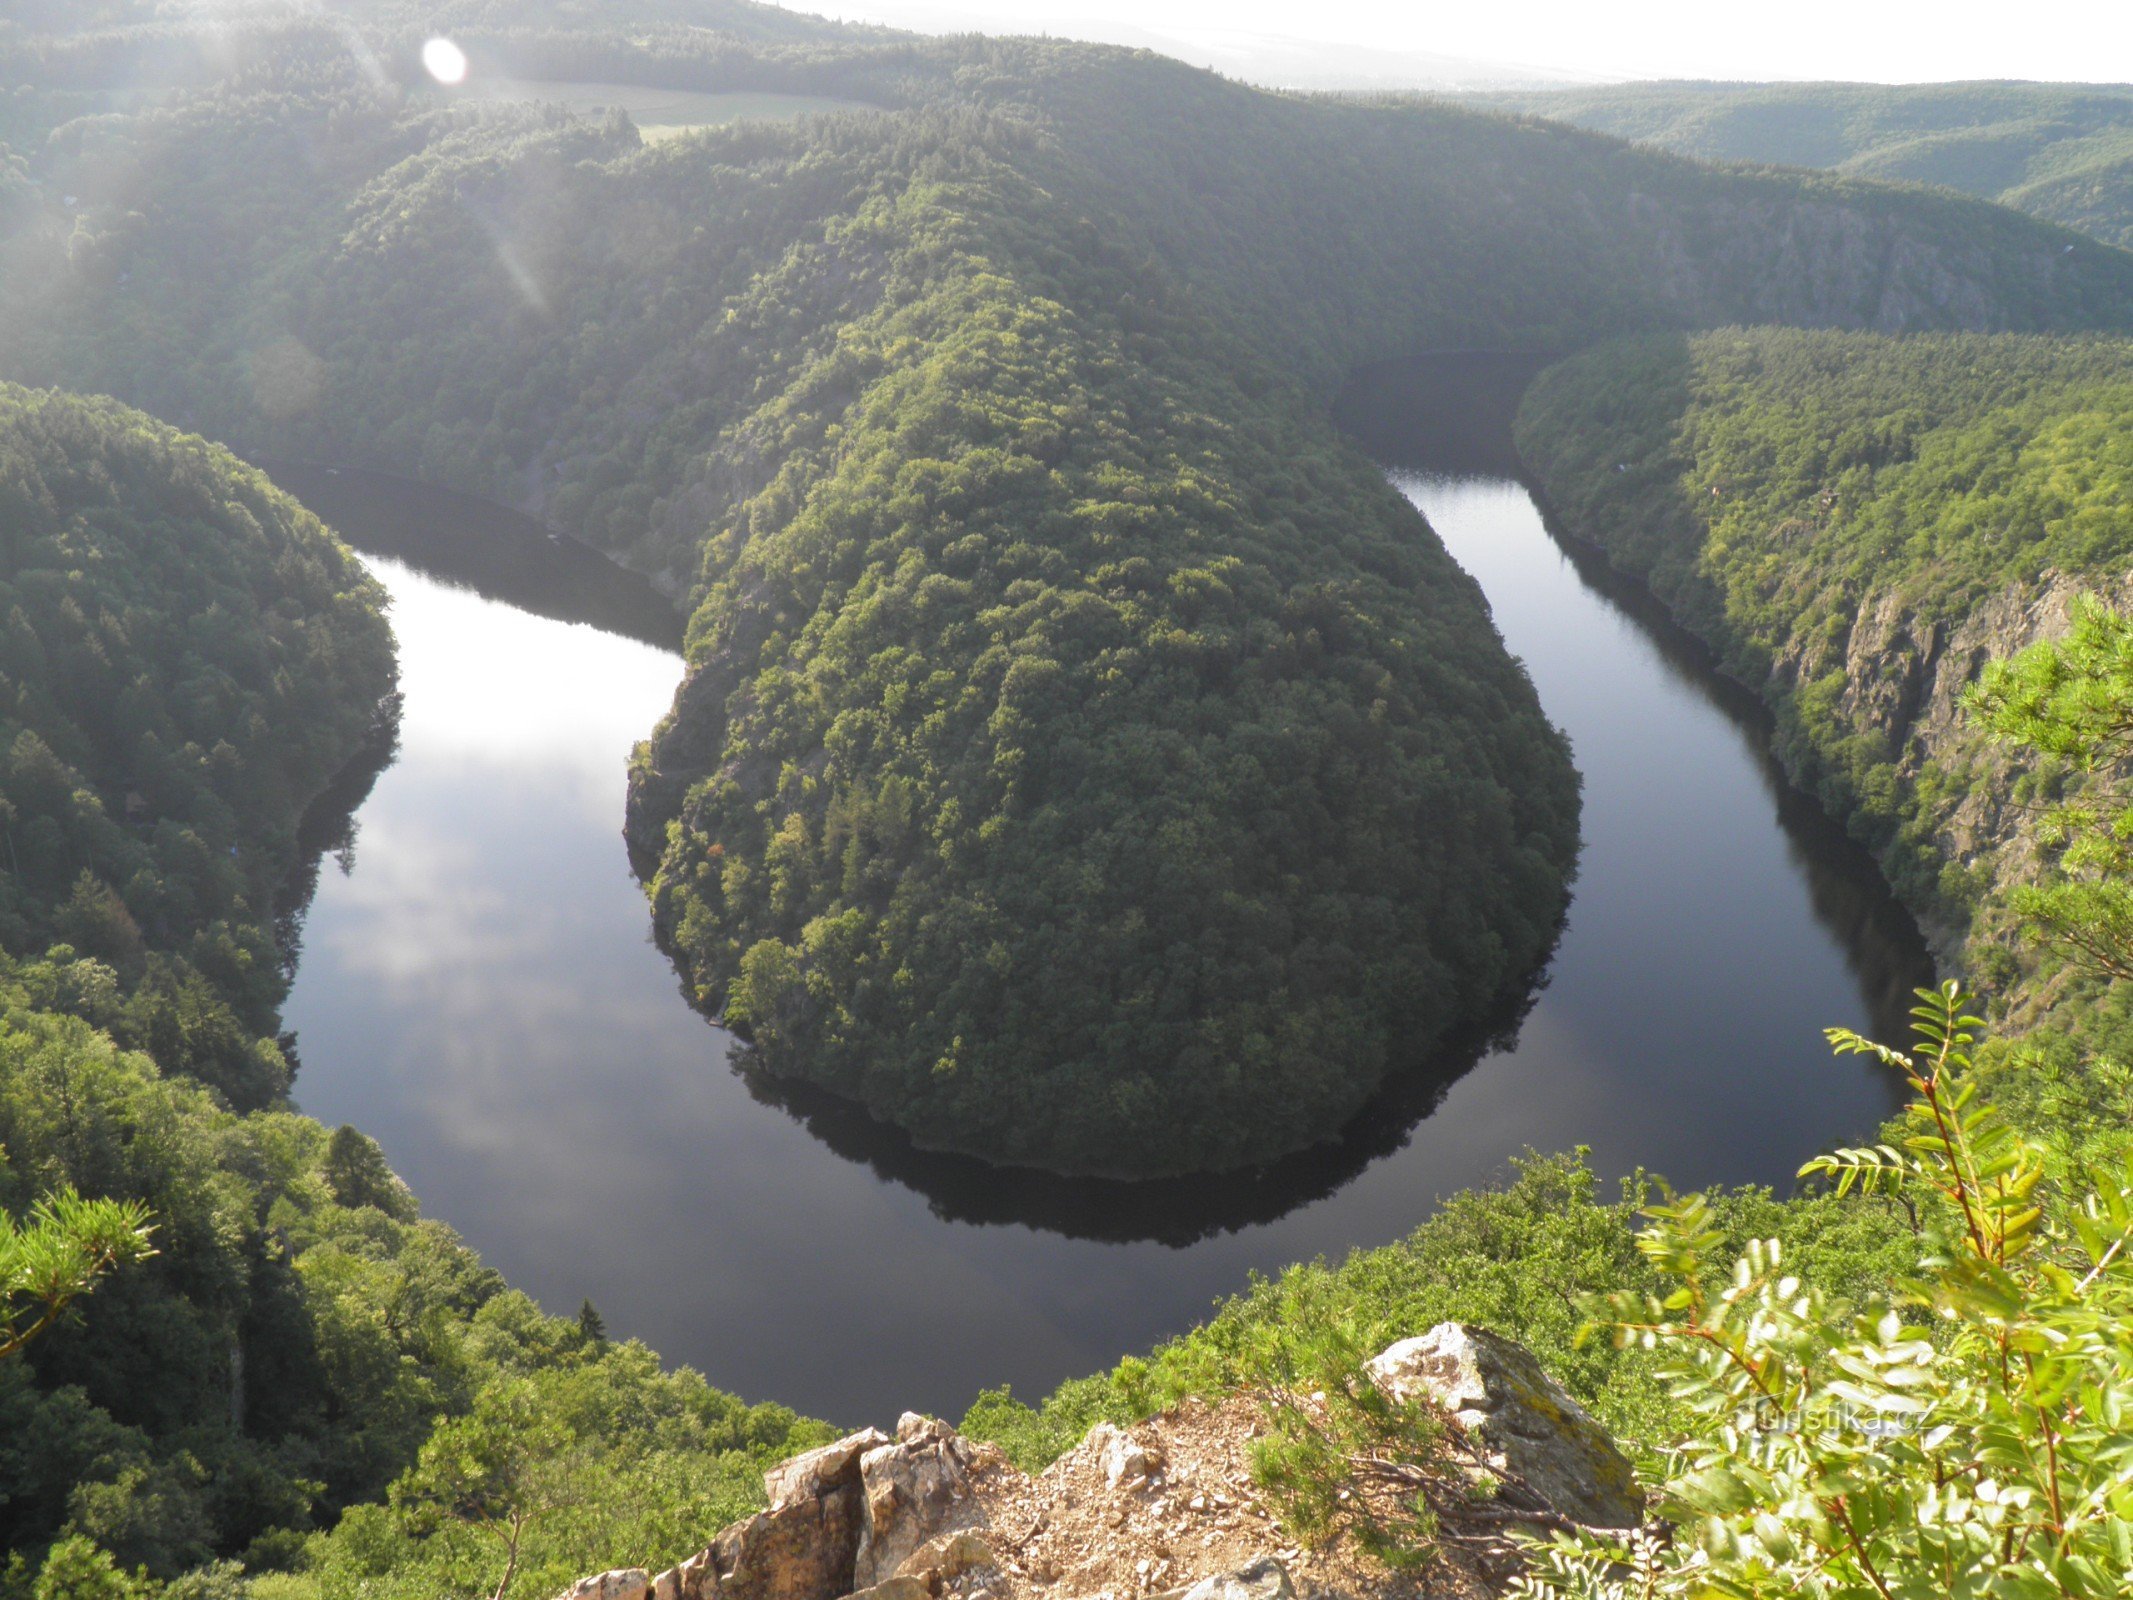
(1126,1460)
(866,1514)
(1529,1428)
(822,1471)
(1166,1509)
(1904,678)
(914,1489)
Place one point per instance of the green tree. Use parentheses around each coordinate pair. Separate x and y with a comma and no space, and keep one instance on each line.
(77,1569)
(2071,700)
(591,1325)
(357,1173)
(494,1472)
(58,1254)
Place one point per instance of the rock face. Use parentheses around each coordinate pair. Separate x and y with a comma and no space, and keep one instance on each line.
(801,1548)
(1904,679)
(822,1471)
(915,1488)
(1524,1420)
(867,1513)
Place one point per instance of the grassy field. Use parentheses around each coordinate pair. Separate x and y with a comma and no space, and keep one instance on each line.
(664,113)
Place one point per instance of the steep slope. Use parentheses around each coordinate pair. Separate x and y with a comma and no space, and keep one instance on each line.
(2060,151)
(1857,524)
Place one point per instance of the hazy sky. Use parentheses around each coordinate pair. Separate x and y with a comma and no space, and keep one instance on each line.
(1886,40)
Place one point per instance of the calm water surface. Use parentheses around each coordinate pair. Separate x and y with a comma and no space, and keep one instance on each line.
(478,991)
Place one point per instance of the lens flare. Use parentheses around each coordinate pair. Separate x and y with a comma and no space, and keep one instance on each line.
(445,61)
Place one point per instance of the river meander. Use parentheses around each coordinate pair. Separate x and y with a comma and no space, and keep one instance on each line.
(478,990)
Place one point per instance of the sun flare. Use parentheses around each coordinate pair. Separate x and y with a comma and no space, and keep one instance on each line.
(445,61)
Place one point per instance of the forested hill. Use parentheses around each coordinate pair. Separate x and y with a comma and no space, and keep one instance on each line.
(186,660)
(1086,760)
(2061,151)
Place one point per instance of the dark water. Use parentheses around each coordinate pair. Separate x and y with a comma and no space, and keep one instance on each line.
(479,992)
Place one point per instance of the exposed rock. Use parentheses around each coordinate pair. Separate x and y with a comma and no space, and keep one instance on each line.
(1126,1460)
(942,1518)
(913,1489)
(1904,679)
(695,1579)
(1527,1424)
(899,1587)
(801,1550)
(628,1583)
(947,1557)
(803,1547)
(821,1470)
(1264,1579)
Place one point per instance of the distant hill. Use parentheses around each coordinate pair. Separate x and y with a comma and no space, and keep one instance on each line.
(2060,151)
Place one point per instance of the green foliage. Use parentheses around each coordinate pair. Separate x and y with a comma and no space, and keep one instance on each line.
(592,1327)
(186,658)
(506,1463)
(558,1470)
(356,1172)
(359,1326)
(1515,1257)
(1977,1448)
(1340,1455)
(75,1569)
(56,1254)
(2068,699)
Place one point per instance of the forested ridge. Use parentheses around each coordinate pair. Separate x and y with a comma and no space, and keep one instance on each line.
(187,659)
(1859,526)
(2061,151)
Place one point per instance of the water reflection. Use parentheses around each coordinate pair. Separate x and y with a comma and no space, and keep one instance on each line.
(487,549)
(1176,1212)
(479,992)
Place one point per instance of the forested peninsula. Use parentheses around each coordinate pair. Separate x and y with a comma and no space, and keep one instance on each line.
(187,658)
(1086,760)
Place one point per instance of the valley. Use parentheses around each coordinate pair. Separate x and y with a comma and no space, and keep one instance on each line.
(989,724)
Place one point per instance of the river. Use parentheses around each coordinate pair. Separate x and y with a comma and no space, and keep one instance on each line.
(478,990)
